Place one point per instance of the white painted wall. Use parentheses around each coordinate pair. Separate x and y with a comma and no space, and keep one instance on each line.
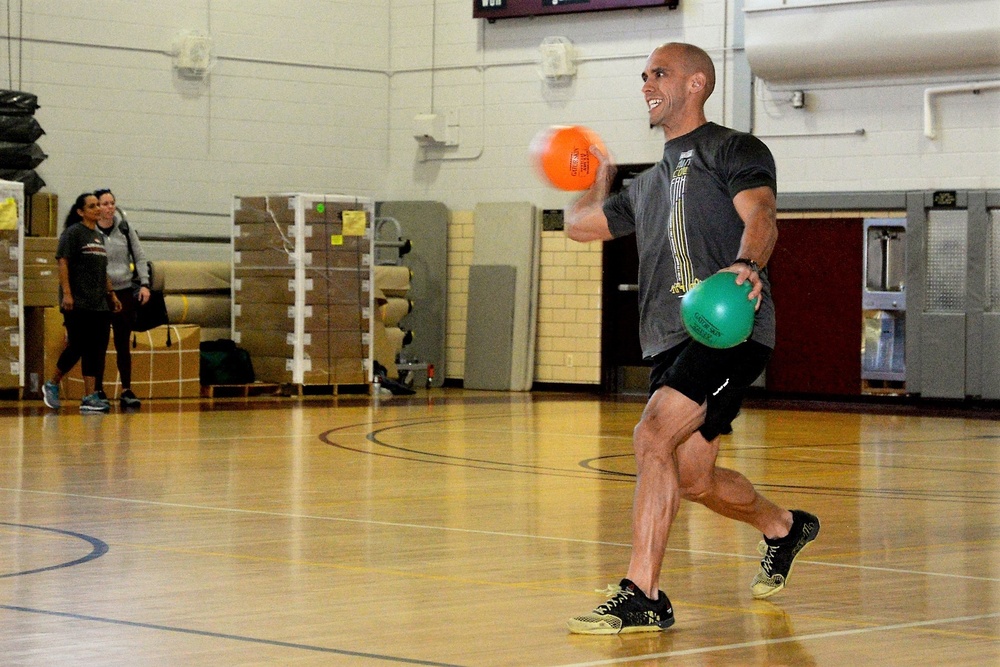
(297,100)
(488,72)
(319,96)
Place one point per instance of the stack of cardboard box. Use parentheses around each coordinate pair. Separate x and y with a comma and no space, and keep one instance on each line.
(11,333)
(41,271)
(43,215)
(303,287)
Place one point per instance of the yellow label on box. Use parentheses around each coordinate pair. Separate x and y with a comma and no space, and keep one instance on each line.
(354,223)
(336,239)
(8,213)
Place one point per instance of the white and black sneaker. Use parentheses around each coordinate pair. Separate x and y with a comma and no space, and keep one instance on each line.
(627,610)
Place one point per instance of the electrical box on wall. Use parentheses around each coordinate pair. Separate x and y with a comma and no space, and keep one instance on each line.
(436,129)
(193,54)
(430,128)
(558,58)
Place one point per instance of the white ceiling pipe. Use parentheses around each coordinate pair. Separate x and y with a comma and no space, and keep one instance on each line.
(930,93)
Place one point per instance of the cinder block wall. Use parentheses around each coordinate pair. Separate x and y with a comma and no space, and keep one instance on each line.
(569,305)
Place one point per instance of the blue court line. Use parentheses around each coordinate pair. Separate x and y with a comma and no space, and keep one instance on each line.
(221,635)
(100,548)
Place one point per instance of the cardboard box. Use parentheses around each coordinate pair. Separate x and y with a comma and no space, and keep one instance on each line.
(263,236)
(10,310)
(251,290)
(8,257)
(333,286)
(281,317)
(327,238)
(316,345)
(40,251)
(270,209)
(43,215)
(316,371)
(10,375)
(159,370)
(41,286)
(41,273)
(271,257)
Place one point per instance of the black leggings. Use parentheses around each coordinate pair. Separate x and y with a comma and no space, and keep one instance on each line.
(121,324)
(87,333)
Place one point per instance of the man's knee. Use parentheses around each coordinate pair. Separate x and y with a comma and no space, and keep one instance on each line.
(696,488)
(668,420)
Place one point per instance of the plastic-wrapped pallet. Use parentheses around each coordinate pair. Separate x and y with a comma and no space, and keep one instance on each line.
(11,322)
(303,303)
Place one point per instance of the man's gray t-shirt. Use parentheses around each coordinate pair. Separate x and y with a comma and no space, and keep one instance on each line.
(687,228)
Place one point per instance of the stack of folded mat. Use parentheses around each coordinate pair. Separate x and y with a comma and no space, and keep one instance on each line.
(392,283)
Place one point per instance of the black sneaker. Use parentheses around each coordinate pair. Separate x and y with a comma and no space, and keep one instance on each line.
(779,554)
(128,399)
(627,610)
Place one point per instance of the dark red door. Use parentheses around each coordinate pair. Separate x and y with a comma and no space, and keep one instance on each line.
(816,275)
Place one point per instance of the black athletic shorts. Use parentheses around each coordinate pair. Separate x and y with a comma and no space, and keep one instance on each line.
(719,376)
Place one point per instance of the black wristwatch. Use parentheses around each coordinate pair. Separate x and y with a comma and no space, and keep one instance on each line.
(749,262)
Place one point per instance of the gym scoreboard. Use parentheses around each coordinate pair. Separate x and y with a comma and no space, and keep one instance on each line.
(492,10)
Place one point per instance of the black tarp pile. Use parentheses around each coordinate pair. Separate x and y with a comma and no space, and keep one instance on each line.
(19,132)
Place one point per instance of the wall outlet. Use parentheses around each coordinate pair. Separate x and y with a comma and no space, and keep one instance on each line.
(569,360)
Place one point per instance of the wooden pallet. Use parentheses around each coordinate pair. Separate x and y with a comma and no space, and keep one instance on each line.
(14,394)
(325,389)
(240,390)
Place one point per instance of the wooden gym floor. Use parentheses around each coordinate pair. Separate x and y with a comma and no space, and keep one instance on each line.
(464,528)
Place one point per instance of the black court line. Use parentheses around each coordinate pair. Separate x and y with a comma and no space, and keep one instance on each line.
(417,455)
(221,635)
(99,548)
(592,465)
(888,493)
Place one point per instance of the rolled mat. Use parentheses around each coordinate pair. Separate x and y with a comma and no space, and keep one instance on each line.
(392,280)
(215,333)
(397,338)
(206,310)
(396,309)
(179,277)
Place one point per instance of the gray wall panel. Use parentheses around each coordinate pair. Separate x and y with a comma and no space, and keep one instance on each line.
(975,298)
(489,327)
(943,355)
(510,233)
(425,223)
(991,356)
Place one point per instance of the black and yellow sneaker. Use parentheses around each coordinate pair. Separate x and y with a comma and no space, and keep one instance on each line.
(627,610)
(776,566)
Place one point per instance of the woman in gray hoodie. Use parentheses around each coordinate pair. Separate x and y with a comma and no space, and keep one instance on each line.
(129,276)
